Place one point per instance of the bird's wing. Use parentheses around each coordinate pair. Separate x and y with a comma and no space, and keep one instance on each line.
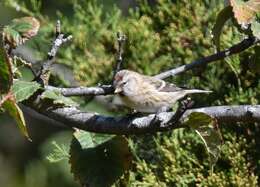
(162,86)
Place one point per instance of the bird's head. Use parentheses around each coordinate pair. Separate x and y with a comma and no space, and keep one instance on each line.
(125,82)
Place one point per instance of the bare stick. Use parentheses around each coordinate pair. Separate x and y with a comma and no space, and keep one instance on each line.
(121,38)
(58,41)
(243,45)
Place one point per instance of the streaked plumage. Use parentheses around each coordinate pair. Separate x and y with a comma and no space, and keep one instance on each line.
(148,94)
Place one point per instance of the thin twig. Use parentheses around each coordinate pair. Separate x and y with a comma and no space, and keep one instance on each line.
(121,38)
(58,41)
(243,45)
(58,28)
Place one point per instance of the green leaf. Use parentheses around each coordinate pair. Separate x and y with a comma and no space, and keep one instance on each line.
(60,152)
(90,140)
(255,27)
(205,126)
(99,160)
(224,15)
(13,109)
(56,148)
(57,98)
(6,76)
(22,90)
(21,30)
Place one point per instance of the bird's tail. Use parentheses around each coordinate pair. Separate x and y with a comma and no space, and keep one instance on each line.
(193,91)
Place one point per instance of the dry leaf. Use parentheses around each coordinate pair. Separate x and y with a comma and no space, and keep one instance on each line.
(245,12)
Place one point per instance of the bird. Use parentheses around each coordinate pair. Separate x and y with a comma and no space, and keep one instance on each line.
(147,94)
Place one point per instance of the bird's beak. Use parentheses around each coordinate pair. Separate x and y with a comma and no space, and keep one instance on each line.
(118,90)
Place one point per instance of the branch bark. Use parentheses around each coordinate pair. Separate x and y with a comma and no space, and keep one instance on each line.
(72,117)
(83,91)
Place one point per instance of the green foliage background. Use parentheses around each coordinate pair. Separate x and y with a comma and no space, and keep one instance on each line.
(159,38)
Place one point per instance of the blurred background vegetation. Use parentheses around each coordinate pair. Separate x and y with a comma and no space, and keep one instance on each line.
(161,35)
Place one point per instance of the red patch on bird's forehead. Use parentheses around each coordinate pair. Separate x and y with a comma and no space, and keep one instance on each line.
(118,77)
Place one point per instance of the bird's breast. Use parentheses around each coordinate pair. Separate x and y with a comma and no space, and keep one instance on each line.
(148,102)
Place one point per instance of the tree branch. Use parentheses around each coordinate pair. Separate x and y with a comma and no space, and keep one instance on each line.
(92,91)
(58,41)
(107,89)
(72,117)
(121,38)
(237,48)
(83,91)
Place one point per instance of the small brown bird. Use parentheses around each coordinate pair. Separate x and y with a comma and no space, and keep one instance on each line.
(148,94)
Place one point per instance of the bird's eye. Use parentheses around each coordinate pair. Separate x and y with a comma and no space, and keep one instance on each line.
(124,83)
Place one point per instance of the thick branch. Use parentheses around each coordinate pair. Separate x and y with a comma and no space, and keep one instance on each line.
(243,45)
(72,117)
(231,114)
